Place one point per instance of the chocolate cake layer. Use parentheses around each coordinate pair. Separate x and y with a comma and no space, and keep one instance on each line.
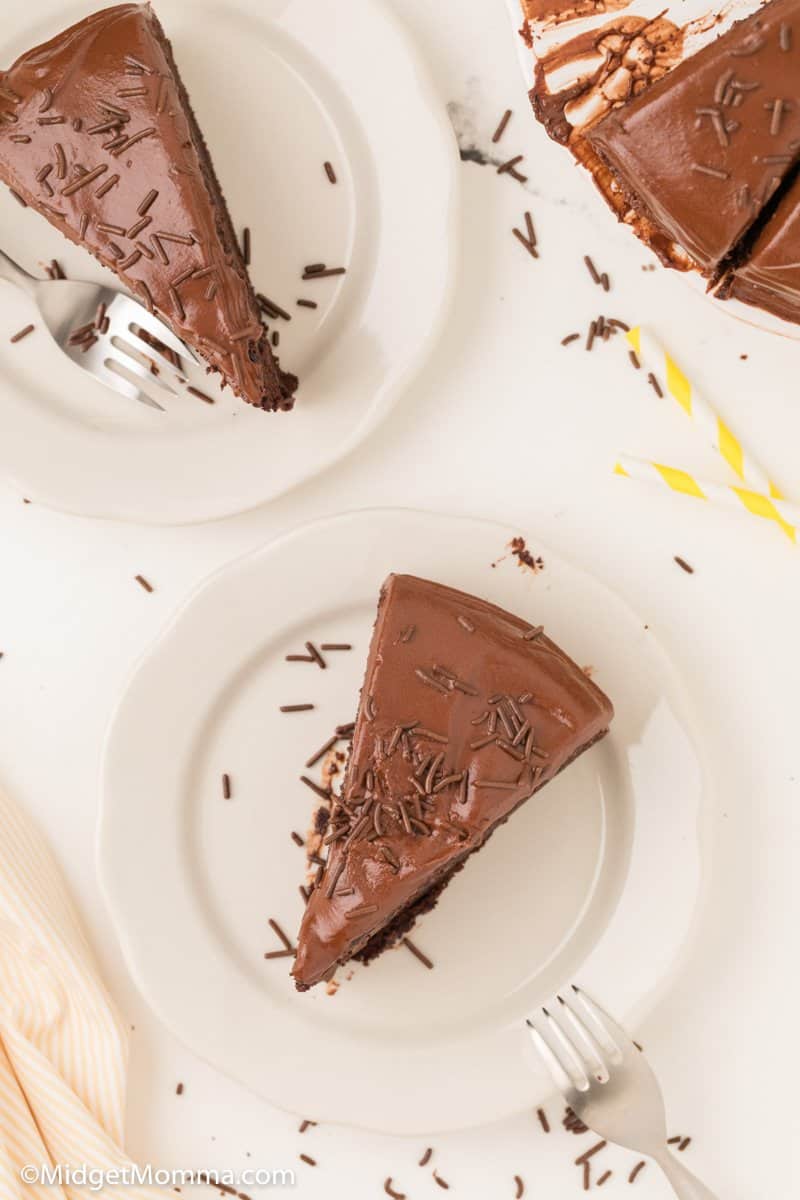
(770,275)
(701,152)
(465,712)
(98,135)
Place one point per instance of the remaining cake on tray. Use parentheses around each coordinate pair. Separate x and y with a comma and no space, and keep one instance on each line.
(465,712)
(703,150)
(98,135)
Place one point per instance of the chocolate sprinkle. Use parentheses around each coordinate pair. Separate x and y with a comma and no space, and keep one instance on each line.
(441,1182)
(179,1090)
(543,1121)
(640,1166)
(21,333)
(655,385)
(520,1188)
(571,337)
(293,708)
(426,1158)
(315,787)
(329,171)
(335,646)
(387,1187)
(604,1178)
(684,565)
(418,954)
(276,929)
(306,1158)
(140,579)
(226,786)
(587,1154)
(500,130)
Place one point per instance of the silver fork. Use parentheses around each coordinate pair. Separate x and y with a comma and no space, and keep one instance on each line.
(128,349)
(608,1083)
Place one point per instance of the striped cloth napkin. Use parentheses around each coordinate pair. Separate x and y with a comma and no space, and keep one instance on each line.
(63,1046)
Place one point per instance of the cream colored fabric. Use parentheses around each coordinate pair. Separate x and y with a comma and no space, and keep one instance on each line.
(63,1046)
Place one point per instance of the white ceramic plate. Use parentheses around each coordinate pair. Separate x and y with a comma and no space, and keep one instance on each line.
(596,879)
(299,88)
(745,313)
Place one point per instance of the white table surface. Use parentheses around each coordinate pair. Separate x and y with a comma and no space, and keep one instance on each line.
(530,432)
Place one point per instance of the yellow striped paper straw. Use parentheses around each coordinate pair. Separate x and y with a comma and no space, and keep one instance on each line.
(653,355)
(786,516)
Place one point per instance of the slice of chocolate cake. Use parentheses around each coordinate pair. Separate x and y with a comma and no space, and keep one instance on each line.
(98,135)
(769,277)
(700,153)
(465,712)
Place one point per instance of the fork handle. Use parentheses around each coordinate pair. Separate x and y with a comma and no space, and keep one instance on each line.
(13,273)
(685,1185)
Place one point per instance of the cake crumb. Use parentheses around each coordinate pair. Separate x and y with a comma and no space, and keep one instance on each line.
(524,557)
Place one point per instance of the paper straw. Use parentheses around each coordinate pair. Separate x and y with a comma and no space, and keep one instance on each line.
(787,516)
(653,355)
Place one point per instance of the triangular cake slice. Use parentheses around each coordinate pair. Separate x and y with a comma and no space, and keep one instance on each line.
(98,135)
(465,712)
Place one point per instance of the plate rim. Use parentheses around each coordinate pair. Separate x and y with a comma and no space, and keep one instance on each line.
(131,943)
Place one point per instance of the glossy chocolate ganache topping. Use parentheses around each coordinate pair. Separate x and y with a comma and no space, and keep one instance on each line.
(465,712)
(703,151)
(98,135)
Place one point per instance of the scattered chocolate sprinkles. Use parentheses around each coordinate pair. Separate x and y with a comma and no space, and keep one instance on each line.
(293,708)
(140,579)
(604,1178)
(501,128)
(315,655)
(655,385)
(571,337)
(713,172)
(279,933)
(315,787)
(684,1144)
(297,839)
(306,1124)
(329,171)
(426,1158)
(590,1153)
(324,273)
(193,391)
(246,245)
(21,333)
(418,954)
(587,1176)
(543,1121)
(441,1182)
(306,1158)
(520,1188)
(226,786)
(306,304)
(640,1166)
(684,565)
(390,1191)
(335,646)
(510,168)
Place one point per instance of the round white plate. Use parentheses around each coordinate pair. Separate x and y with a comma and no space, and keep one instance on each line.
(596,879)
(299,88)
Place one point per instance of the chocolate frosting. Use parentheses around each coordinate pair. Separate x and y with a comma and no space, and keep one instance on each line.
(703,150)
(97,134)
(770,276)
(464,713)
